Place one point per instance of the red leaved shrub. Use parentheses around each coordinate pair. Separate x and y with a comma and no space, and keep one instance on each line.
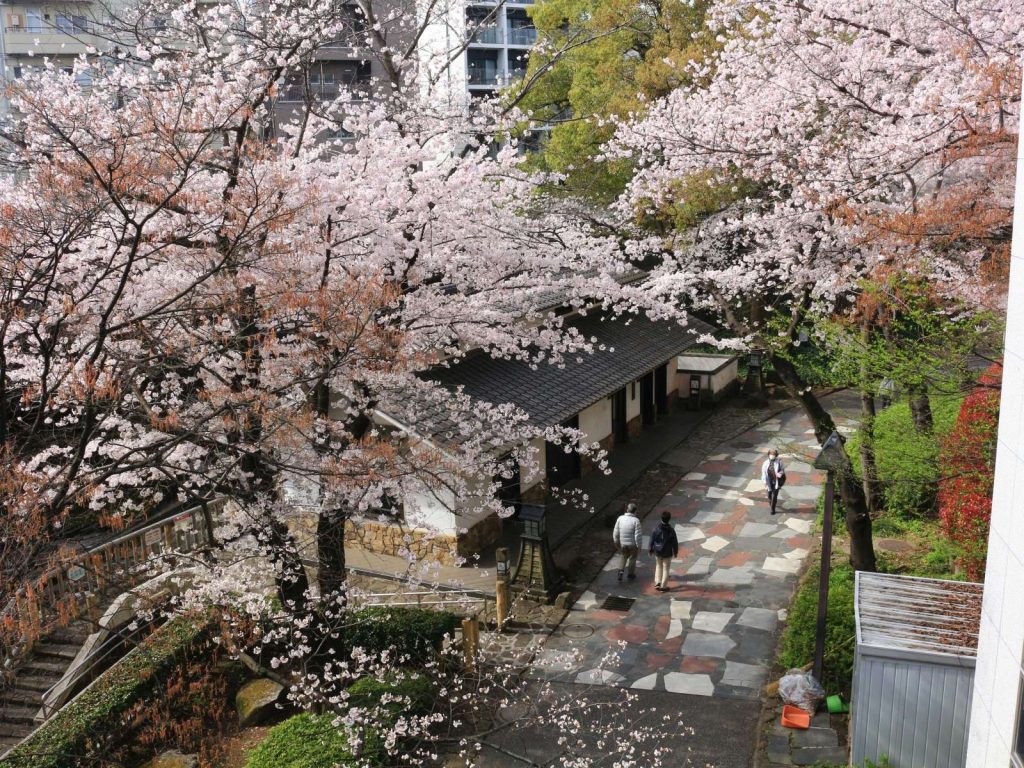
(967,461)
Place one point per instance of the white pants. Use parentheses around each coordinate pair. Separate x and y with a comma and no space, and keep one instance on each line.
(661,569)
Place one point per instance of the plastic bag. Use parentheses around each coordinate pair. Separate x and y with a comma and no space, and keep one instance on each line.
(800,689)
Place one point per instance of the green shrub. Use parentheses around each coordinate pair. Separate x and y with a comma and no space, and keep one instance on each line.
(840,628)
(907,460)
(311,741)
(415,694)
(413,632)
(92,721)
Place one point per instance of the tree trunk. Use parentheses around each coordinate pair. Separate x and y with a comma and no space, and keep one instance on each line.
(869,469)
(858,519)
(330,549)
(920,408)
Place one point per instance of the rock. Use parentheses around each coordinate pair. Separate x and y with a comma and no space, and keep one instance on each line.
(255,702)
(173,759)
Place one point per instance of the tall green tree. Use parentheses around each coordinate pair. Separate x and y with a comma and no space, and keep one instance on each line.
(597,60)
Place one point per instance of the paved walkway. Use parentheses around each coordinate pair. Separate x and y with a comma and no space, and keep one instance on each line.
(627,462)
(714,632)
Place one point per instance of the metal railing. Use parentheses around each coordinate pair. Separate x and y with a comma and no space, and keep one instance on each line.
(426,599)
(63,592)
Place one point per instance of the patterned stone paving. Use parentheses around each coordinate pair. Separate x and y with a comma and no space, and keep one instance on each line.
(714,632)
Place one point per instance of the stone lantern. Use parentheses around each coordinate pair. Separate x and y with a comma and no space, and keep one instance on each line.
(536,577)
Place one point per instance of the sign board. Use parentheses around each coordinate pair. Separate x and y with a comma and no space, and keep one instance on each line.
(76,573)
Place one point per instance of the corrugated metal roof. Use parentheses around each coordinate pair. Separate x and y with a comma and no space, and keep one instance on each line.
(915,614)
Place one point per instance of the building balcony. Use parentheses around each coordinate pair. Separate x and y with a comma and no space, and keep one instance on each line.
(489,35)
(524,36)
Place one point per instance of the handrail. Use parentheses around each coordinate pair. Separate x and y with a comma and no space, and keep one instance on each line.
(64,590)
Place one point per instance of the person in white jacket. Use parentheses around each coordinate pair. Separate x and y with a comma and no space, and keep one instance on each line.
(628,538)
(774,476)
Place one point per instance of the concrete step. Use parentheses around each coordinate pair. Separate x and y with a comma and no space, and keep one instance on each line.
(18,715)
(56,650)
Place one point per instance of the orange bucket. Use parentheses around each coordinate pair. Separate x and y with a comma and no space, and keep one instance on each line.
(794,717)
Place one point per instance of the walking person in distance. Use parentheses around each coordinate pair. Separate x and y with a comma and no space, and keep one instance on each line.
(628,539)
(664,546)
(774,476)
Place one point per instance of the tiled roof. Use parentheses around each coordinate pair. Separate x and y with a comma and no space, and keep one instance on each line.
(633,346)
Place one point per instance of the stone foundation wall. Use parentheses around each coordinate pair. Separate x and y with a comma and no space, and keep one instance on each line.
(396,539)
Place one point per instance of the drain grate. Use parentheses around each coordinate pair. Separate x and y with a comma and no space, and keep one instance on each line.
(618,603)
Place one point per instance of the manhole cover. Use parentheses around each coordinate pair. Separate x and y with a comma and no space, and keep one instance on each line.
(577,631)
(617,603)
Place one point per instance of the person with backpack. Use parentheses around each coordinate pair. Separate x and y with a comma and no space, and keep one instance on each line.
(664,546)
(774,476)
(628,538)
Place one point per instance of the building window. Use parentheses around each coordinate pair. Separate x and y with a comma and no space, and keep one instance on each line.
(632,391)
(520,29)
(72,25)
(482,25)
(483,67)
(33,20)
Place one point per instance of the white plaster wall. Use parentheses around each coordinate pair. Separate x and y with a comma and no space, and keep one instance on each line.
(671,380)
(1001,643)
(596,420)
(632,400)
(722,379)
(434,512)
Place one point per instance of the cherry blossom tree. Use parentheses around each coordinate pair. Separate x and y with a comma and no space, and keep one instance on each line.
(846,137)
(207,295)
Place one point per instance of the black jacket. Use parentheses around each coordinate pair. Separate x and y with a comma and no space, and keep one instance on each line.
(664,542)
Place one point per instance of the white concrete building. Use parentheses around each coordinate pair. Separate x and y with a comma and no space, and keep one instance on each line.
(996,737)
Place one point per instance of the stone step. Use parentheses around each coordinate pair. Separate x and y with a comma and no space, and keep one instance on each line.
(819,755)
(48,667)
(36,682)
(15,731)
(73,634)
(20,715)
(57,650)
(22,696)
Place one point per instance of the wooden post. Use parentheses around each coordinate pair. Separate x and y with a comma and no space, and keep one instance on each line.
(470,640)
(501,602)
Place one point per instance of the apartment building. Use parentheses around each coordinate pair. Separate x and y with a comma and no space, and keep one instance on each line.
(30,33)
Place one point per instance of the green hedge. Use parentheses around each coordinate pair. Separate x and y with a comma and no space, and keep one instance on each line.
(415,694)
(312,741)
(93,719)
(908,461)
(840,628)
(413,632)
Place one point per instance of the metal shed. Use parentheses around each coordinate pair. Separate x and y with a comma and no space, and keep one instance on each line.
(913,672)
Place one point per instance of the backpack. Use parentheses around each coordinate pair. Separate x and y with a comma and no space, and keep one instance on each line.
(660,545)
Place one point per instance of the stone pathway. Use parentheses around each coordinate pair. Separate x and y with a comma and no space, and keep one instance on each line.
(714,632)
